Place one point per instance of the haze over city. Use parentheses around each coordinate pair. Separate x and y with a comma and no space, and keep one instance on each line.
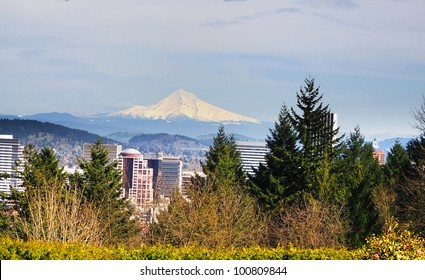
(249,57)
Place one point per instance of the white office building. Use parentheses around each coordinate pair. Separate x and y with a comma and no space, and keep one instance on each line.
(10,153)
(252,154)
(113,151)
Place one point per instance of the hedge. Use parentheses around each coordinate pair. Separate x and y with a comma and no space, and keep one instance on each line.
(15,249)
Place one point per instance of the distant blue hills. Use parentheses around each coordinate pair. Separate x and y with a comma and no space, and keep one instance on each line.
(123,128)
(107,125)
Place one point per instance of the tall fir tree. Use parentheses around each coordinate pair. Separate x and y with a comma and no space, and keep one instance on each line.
(410,192)
(303,147)
(316,135)
(223,164)
(39,172)
(360,176)
(396,164)
(278,180)
(101,183)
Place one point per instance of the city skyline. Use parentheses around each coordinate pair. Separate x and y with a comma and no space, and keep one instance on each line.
(248,57)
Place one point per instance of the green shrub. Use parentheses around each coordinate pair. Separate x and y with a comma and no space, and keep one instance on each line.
(394,244)
(16,249)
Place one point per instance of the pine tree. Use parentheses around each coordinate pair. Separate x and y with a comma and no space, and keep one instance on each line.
(410,191)
(360,176)
(396,164)
(303,147)
(101,184)
(223,164)
(315,134)
(50,209)
(279,179)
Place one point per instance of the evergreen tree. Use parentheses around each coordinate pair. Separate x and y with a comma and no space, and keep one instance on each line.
(396,164)
(39,172)
(101,185)
(223,164)
(410,191)
(40,168)
(303,148)
(49,209)
(316,135)
(360,176)
(279,179)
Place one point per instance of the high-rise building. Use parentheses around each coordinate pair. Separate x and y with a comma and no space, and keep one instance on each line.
(252,154)
(10,153)
(330,126)
(137,178)
(187,177)
(167,176)
(113,151)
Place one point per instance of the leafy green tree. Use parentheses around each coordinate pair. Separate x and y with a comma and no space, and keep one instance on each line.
(223,164)
(101,185)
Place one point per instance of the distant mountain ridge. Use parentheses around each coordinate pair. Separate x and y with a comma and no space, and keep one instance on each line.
(183,104)
(66,142)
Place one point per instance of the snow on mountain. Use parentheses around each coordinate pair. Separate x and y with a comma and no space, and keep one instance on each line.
(184,104)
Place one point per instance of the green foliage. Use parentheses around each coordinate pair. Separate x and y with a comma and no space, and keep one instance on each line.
(303,149)
(360,175)
(49,209)
(101,185)
(6,220)
(15,249)
(280,178)
(223,164)
(314,134)
(394,244)
(396,163)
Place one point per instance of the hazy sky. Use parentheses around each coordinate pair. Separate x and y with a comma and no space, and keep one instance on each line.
(98,56)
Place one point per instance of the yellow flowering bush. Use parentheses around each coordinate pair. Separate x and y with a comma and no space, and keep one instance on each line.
(394,244)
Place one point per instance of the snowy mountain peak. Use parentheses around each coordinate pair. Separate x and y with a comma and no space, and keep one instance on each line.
(184,104)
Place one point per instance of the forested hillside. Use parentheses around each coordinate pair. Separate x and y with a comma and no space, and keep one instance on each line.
(67,142)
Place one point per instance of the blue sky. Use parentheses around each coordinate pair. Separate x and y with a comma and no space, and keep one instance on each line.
(250,57)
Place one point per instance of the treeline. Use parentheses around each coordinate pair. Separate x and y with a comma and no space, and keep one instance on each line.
(30,129)
(316,190)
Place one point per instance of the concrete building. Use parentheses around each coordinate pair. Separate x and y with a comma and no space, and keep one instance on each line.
(113,151)
(252,154)
(137,179)
(167,174)
(10,153)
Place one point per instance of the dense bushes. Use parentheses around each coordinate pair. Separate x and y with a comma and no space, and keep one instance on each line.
(394,244)
(36,250)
